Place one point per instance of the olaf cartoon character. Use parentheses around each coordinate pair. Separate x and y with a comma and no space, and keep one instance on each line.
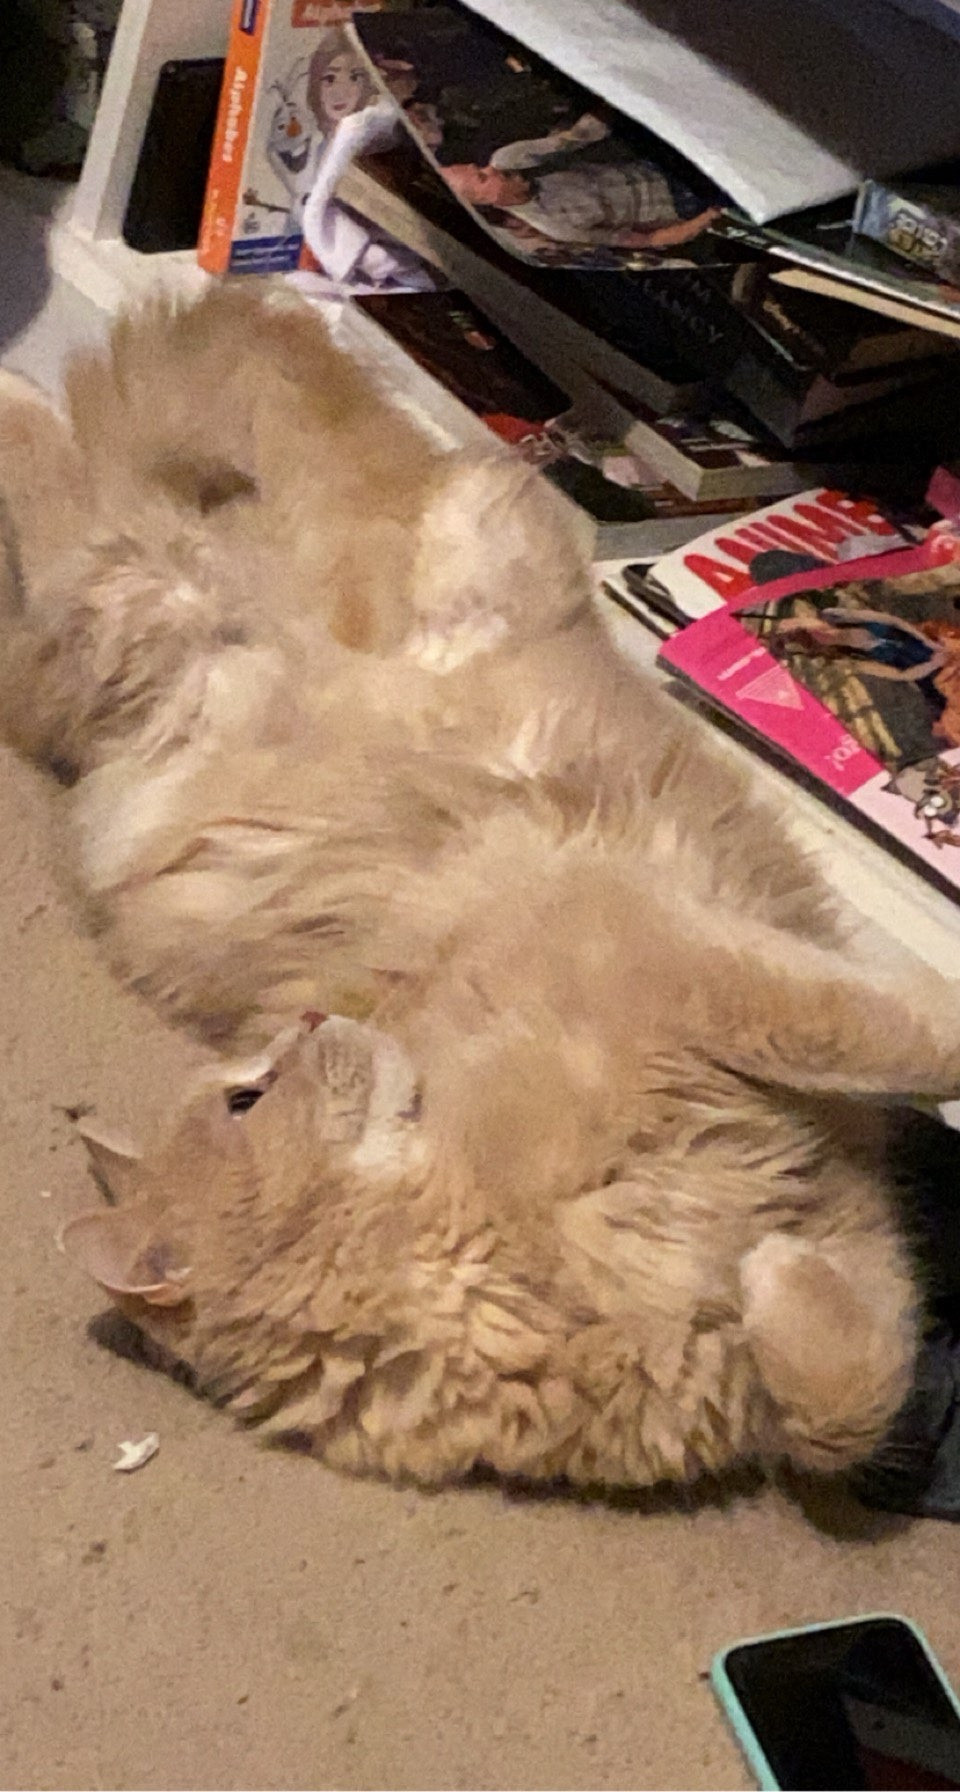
(293,144)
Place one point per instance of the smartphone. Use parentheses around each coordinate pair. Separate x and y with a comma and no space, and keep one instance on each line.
(859,1703)
(166,198)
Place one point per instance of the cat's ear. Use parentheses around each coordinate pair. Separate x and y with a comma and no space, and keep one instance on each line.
(818,1021)
(115,1163)
(126,1250)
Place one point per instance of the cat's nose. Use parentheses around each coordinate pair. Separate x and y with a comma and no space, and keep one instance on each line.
(285,1049)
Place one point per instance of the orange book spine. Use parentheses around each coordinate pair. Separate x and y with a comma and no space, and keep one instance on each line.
(247,29)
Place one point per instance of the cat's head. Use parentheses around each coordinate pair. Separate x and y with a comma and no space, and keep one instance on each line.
(271,1218)
(326,1247)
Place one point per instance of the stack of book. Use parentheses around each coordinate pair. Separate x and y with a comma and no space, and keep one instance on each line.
(582,284)
(733,346)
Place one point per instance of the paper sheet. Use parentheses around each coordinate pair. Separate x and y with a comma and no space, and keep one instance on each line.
(783,105)
(944,14)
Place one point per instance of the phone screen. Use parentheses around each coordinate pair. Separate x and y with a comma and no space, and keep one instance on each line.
(165,206)
(855,1705)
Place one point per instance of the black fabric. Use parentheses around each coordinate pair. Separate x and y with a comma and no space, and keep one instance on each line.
(917,1468)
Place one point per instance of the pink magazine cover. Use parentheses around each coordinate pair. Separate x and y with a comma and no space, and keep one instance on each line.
(913,807)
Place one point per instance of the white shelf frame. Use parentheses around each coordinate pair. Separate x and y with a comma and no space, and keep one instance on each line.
(86,245)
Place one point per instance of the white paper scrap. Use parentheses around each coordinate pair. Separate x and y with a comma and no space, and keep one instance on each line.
(136,1455)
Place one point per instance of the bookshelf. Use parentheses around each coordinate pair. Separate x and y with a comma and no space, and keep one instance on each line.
(86,250)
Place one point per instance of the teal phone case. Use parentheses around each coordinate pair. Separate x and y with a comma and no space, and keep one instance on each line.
(737,1717)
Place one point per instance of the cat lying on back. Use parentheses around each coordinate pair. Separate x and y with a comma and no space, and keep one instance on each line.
(582,1176)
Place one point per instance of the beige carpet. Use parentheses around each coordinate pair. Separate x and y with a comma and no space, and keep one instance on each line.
(233,1618)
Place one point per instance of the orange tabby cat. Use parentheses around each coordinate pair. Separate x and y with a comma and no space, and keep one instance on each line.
(582,1176)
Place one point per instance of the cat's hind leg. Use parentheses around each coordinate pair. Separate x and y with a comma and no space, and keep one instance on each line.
(43,490)
(500,559)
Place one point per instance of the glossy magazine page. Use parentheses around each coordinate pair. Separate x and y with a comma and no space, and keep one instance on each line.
(552,174)
(856,681)
(832,90)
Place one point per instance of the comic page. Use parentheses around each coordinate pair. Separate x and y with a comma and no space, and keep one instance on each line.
(882,654)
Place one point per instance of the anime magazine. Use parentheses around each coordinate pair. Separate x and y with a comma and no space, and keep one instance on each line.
(882,653)
(818,527)
(298,102)
(553,175)
(856,681)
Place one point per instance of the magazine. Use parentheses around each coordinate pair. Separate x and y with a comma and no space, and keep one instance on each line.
(297,104)
(817,528)
(750,90)
(881,734)
(617,327)
(882,653)
(554,176)
(632,510)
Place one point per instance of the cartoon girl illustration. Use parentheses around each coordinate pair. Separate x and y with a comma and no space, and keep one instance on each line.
(352,118)
(338,81)
(311,99)
(884,646)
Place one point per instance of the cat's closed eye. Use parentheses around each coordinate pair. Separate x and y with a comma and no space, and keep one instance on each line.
(241,1099)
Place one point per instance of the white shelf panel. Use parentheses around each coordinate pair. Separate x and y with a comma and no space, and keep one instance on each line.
(109,273)
(150,33)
